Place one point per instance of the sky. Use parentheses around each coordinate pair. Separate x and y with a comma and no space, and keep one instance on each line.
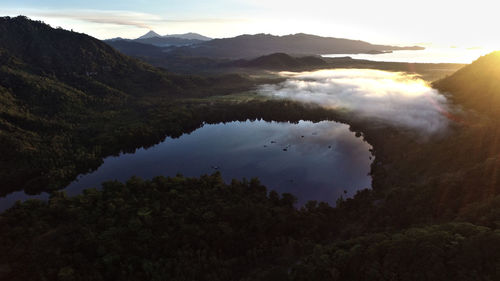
(466,24)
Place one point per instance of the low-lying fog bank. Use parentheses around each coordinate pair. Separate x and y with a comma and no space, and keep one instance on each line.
(395,98)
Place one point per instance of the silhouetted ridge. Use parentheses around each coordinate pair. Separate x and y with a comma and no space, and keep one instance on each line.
(36,47)
(476,86)
(189,35)
(248,46)
(167,41)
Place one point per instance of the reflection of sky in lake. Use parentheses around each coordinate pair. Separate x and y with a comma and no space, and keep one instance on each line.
(320,162)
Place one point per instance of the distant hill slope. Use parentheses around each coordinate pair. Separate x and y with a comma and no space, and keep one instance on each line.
(190,36)
(167,41)
(248,46)
(280,61)
(136,49)
(476,86)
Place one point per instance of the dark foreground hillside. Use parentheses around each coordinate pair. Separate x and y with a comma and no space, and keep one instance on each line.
(203,229)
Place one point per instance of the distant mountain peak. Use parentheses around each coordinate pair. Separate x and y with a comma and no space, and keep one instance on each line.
(150,34)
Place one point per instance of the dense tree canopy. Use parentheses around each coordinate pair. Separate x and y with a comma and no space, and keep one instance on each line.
(164,229)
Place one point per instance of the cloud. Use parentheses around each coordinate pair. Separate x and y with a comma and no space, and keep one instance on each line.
(395,98)
(124,18)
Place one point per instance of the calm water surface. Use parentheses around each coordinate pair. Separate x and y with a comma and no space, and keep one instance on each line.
(313,161)
(429,55)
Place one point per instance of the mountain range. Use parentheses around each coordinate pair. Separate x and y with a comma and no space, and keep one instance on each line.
(155,39)
(252,46)
(248,46)
(188,36)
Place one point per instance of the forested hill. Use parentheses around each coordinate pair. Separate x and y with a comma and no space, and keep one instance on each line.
(67,100)
(476,86)
(280,61)
(56,50)
(81,61)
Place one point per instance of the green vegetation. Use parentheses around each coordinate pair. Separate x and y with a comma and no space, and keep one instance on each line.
(455,251)
(190,229)
(67,100)
(164,229)
(432,214)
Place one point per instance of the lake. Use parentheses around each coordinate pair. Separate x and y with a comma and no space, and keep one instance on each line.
(314,161)
(429,55)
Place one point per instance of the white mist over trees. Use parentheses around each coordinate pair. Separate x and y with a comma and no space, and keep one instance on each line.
(395,98)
